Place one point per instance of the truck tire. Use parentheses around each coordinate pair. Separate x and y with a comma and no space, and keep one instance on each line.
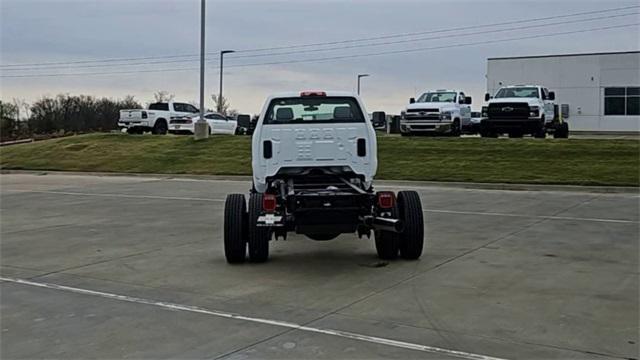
(562,131)
(134,130)
(412,237)
(160,127)
(258,235)
(540,132)
(456,128)
(387,242)
(235,220)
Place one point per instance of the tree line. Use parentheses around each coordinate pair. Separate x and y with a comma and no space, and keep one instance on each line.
(61,114)
(66,113)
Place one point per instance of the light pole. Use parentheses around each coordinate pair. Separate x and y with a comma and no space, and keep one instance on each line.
(221,66)
(200,127)
(359,77)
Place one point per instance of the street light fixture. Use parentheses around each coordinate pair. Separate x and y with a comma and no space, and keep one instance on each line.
(221,66)
(359,77)
(200,127)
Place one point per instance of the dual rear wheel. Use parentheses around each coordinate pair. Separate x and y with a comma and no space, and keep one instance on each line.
(241,232)
(410,242)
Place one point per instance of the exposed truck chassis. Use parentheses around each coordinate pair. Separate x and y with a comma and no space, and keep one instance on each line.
(322,205)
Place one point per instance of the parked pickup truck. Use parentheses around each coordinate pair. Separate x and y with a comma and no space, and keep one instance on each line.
(522,109)
(437,111)
(156,118)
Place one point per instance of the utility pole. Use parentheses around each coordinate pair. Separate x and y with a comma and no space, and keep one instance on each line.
(200,128)
(221,72)
(359,77)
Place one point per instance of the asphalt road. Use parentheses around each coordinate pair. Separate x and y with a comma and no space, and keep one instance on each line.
(115,267)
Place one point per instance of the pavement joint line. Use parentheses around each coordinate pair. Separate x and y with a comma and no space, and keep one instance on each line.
(116,195)
(546,217)
(284,324)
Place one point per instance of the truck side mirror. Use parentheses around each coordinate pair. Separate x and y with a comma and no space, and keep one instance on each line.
(467,100)
(487,97)
(378,118)
(412,100)
(243,120)
(552,95)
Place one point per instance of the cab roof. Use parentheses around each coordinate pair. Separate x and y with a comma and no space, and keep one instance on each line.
(521,85)
(294,94)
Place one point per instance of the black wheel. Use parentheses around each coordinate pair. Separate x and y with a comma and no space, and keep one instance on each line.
(456,130)
(258,235)
(134,131)
(487,131)
(562,131)
(540,132)
(387,242)
(235,221)
(160,127)
(405,134)
(412,237)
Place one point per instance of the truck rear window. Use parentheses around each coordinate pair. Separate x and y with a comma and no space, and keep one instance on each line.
(316,109)
(159,106)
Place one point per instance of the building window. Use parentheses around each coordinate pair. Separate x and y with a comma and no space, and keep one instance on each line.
(622,101)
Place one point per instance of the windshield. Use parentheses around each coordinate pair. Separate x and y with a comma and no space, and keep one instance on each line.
(317,109)
(438,97)
(520,92)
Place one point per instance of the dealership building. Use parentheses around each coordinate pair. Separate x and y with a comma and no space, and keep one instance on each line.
(602,90)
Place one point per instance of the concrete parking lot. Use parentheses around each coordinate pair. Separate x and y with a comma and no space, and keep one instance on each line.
(115,267)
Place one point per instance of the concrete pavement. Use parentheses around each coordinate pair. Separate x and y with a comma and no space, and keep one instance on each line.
(509,274)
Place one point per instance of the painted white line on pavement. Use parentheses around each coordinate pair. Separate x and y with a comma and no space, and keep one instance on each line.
(617,221)
(116,195)
(285,324)
(482,213)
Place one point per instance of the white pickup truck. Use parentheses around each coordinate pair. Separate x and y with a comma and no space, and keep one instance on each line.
(155,118)
(522,109)
(437,111)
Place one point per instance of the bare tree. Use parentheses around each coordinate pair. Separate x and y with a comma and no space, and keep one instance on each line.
(22,109)
(223,107)
(163,96)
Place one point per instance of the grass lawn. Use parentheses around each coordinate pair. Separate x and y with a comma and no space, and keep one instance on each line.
(573,161)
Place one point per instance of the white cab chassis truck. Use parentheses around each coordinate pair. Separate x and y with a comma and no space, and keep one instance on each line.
(520,110)
(437,111)
(314,157)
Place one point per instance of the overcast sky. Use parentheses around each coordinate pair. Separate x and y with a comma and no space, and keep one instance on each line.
(41,31)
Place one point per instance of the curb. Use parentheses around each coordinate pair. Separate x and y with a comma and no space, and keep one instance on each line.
(398,183)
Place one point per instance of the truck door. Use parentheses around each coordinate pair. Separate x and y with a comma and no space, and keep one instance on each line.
(549,112)
(465,110)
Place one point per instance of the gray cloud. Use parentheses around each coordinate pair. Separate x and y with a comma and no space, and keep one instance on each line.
(63,30)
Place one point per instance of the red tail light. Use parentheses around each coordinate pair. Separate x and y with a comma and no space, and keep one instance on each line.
(269,203)
(313,93)
(386,199)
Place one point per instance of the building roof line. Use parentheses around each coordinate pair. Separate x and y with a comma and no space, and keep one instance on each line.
(564,55)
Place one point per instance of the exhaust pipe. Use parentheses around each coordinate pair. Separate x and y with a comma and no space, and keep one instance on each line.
(386,224)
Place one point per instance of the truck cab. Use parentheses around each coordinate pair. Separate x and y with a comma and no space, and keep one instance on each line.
(437,111)
(519,110)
